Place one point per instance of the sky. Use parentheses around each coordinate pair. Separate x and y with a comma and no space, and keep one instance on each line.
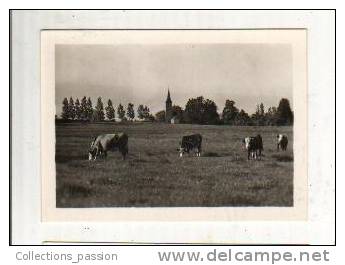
(141,74)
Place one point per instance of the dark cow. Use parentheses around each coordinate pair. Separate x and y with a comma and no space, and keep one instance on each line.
(254,146)
(189,143)
(108,142)
(282,142)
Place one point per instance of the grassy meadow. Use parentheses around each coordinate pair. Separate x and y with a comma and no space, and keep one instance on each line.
(154,175)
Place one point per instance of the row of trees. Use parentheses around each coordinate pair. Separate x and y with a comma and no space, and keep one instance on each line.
(197,111)
(281,115)
(83,110)
(204,111)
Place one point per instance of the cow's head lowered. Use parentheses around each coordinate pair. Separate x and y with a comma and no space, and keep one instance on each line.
(92,150)
(183,148)
(246,142)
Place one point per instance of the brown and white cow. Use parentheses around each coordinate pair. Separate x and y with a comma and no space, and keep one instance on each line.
(282,142)
(108,142)
(254,146)
(189,143)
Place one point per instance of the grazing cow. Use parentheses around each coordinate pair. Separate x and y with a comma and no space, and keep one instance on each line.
(108,142)
(189,143)
(254,146)
(282,142)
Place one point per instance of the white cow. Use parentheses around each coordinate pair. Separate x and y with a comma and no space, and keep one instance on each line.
(108,142)
(282,142)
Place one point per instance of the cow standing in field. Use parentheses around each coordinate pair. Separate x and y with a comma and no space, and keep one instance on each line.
(282,142)
(108,142)
(254,146)
(189,143)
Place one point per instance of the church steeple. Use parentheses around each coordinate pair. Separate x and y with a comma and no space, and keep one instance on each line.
(168,97)
(168,108)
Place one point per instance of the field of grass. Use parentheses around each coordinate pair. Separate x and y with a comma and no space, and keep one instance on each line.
(154,174)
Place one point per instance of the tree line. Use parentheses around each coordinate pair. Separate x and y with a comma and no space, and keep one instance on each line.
(205,111)
(83,110)
(197,111)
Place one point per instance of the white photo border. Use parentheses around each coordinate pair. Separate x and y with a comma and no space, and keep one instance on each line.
(27,225)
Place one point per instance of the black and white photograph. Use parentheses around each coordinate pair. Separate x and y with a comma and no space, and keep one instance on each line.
(146,120)
(174,125)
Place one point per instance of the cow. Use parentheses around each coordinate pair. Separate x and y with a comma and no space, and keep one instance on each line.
(108,142)
(254,146)
(282,142)
(189,143)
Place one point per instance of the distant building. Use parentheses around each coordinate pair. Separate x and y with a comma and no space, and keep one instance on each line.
(175,120)
(168,109)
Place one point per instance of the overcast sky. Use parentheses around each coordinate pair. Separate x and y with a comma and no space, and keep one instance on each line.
(141,74)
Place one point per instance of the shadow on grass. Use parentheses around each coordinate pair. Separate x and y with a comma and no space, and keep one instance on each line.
(211,154)
(283,158)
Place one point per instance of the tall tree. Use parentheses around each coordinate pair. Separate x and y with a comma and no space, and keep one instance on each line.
(285,115)
(83,108)
(146,112)
(261,118)
(130,111)
(89,109)
(64,114)
(271,116)
(140,112)
(258,117)
(210,114)
(94,116)
(71,109)
(121,112)
(201,111)
(77,107)
(110,111)
(229,112)
(99,109)
(194,110)
(262,109)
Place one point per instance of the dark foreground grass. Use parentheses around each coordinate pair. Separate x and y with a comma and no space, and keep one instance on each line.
(154,174)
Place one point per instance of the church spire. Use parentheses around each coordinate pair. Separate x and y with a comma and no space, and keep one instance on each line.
(168,97)
(168,108)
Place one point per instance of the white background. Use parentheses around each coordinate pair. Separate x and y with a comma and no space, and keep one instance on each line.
(319,70)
